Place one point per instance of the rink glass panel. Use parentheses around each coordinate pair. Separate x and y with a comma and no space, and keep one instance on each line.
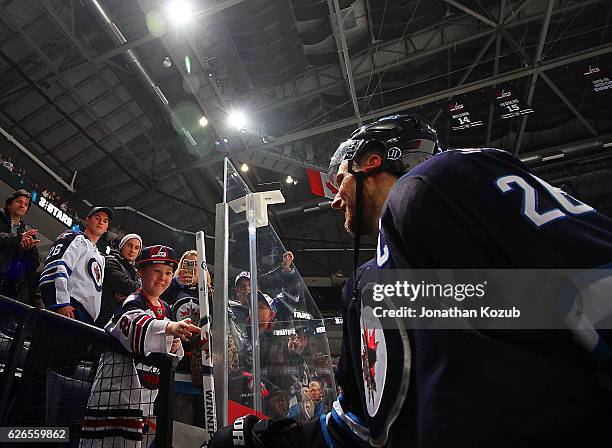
(294,350)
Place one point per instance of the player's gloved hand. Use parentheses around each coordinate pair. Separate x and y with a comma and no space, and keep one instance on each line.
(251,432)
(240,433)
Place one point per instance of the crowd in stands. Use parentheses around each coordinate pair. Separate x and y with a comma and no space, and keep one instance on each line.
(53,197)
(148,299)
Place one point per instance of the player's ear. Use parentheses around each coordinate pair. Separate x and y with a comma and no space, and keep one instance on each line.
(372,161)
(140,272)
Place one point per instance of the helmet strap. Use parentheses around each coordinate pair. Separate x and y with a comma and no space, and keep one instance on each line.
(358,225)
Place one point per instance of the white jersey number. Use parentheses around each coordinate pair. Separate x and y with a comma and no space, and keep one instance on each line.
(530,211)
(382,254)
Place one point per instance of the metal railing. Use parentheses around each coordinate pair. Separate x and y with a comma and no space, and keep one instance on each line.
(48,364)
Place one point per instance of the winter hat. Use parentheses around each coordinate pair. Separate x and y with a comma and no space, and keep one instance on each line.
(128,237)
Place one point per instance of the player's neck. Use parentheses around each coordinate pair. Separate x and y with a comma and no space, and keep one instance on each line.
(91,237)
(382,186)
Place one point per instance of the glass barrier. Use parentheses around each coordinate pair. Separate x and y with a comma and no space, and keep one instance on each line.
(285,359)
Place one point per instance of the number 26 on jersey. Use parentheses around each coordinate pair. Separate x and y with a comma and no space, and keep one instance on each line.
(567,204)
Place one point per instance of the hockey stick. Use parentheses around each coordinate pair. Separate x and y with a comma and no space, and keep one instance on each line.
(208,381)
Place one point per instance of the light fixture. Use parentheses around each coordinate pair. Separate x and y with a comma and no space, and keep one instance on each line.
(203,121)
(289,180)
(225,140)
(180,12)
(237,119)
(244,167)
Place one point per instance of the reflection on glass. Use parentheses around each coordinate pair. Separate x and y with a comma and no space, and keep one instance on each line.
(295,366)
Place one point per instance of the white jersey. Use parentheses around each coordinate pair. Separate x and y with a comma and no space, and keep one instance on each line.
(120,407)
(74,270)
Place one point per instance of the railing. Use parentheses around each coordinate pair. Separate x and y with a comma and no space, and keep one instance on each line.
(48,365)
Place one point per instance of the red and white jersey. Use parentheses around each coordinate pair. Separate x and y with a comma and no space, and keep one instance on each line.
(120,407)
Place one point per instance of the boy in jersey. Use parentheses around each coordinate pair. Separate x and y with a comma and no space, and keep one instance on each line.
(71,281)
(439,388)
(120,408)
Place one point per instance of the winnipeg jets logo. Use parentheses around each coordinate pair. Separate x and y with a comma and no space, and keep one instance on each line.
(204,345)
(373,359)
(161,252)
(187,309)
(368,360)
(95,272)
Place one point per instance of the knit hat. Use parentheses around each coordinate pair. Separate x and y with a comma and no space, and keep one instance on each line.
(128,237)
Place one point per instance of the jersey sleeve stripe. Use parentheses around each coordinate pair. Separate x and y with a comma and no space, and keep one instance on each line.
(355,431)
(49,278)
(328,440)
(136,331)
(59,263)
(140,328)
(143,338)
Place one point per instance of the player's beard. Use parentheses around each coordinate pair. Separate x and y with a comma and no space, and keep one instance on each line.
(349,220)
(350,217)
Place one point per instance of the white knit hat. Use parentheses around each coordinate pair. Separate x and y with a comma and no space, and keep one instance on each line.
(128,237)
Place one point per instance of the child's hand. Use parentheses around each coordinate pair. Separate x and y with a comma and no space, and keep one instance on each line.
(182,329)
(176,343)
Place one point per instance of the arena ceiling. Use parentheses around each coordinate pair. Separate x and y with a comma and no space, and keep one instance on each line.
(114,90)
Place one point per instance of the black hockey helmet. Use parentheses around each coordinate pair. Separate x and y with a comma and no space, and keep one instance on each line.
(404,140)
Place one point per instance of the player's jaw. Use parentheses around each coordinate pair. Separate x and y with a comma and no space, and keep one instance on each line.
(345,197)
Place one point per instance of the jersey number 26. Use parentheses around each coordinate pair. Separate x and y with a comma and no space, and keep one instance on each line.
(567,204)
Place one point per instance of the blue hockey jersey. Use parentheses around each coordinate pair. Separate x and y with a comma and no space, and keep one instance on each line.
(482,209)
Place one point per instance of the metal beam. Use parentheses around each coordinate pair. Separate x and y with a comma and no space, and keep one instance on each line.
(471,68)
(343,53)
(513,13)
(144,39)
(375,67)
(502,8)
(472,13)
(6,17)
(415,102)
(568,103)
(534,76)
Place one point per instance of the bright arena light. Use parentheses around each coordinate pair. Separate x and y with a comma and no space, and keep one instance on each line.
(180,12)
(203,121)
(244,167)
(237,119)
(289,180)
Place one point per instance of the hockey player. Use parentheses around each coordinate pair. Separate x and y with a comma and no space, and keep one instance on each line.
(120,407)
(71,281)
(437,388)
